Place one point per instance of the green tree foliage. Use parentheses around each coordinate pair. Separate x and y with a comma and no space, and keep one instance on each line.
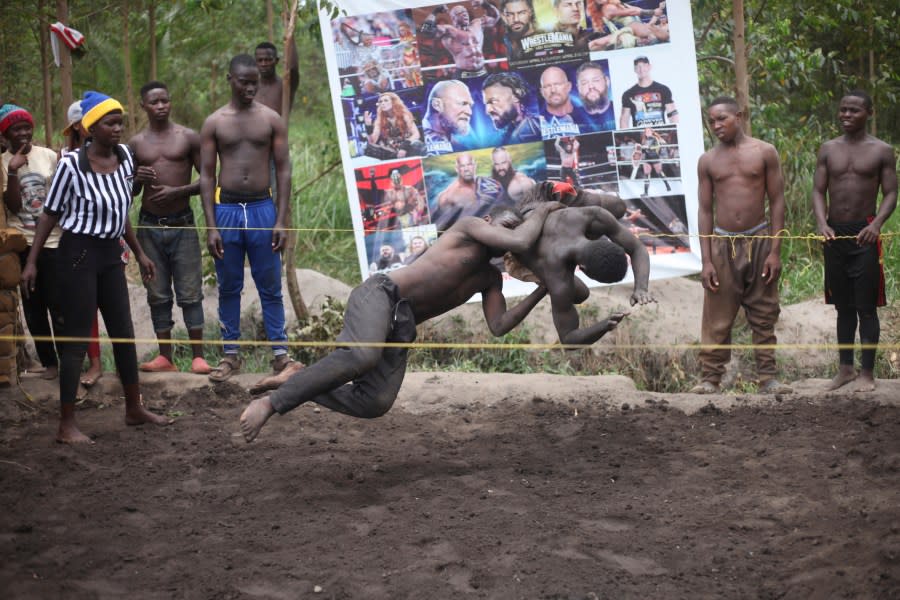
(802,57)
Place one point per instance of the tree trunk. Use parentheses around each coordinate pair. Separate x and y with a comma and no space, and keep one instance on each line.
(126,56)
(270,20)
(213,80)
(45,68)
(741,78)
(300,308)
(872,85)
(151,26)
(65,62)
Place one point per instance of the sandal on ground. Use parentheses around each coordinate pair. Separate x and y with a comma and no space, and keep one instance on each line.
(280,362)
(705,387)
(199,366)
(773,386)
(228,366)
(160,364)
(273,382)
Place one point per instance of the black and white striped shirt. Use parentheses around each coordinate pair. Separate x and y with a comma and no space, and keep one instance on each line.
(91,203)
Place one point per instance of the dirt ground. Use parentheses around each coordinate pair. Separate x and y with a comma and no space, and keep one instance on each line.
(480,486)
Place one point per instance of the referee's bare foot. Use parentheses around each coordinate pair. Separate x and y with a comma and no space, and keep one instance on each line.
(255,416)
(846,374)
(68,433)
(141,416)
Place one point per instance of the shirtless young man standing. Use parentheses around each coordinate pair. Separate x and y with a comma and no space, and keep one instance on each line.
(271,89)
(850,169)
(363,381)
(271,85)
(245,135)
(736,176)
(166,154)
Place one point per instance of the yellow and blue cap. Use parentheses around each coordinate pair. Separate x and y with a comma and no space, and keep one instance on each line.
(94,106)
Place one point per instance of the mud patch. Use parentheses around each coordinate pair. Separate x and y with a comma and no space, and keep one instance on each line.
(468,487)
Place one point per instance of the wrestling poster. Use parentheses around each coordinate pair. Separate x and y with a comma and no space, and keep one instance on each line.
(448,110)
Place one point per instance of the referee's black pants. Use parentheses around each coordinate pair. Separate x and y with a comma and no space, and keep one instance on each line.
(91,276)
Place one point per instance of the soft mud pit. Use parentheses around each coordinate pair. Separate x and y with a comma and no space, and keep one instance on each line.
(473,486)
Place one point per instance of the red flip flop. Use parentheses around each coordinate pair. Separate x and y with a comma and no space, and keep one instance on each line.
(160,364)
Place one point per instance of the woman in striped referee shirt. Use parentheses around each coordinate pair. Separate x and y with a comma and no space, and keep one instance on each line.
(89,198)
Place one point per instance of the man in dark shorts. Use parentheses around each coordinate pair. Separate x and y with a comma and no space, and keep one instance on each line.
(850,169)
(166,154)
(244,135)
(362,380)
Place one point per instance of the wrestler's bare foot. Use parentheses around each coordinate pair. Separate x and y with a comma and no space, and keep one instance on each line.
(255,416)
(846,374)
(865,382)
(50,372)
(139,415)
(68,433)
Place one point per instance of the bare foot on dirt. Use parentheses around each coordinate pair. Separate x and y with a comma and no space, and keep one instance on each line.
(91,376)
(50,373)
(68,433)
(273,382)
(142,416)
(845,375)
(255,416)
(865,382)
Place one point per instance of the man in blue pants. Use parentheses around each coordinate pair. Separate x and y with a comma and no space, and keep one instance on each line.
(241,217)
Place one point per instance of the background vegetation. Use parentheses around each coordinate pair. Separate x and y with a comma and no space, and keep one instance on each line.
(802,57)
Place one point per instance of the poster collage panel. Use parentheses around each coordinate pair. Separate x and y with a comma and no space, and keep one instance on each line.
(450,110)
